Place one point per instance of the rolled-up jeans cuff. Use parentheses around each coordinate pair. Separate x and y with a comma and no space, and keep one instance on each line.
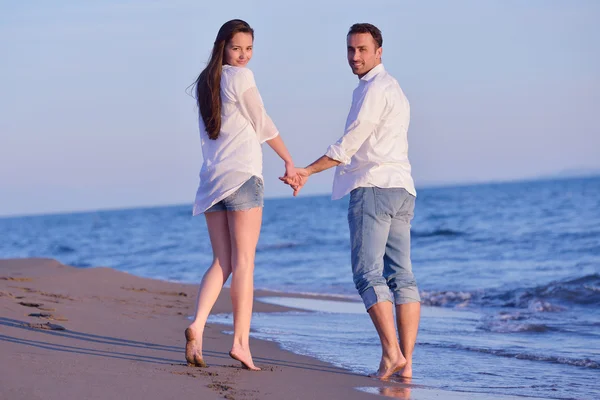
(407,295)
(376,294)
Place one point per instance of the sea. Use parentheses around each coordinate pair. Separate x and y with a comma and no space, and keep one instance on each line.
(509,275)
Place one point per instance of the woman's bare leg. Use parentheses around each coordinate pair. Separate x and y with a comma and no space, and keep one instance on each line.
(211,285)
(244,230)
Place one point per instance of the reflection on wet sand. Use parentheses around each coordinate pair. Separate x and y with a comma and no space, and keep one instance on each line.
(396,387)
(399,391)
(396,392)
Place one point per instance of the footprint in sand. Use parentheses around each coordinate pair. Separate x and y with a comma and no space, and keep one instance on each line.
(46,315)
(183,373)
(27,304)
(10,278)
(41,315)
(46,326)
(132,289)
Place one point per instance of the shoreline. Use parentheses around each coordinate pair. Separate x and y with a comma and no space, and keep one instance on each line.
(98,333)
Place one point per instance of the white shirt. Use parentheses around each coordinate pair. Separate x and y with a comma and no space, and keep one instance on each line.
(236,155)
(374,148)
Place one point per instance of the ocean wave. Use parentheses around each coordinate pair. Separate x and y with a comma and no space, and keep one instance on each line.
(551,297)
(580,235)
(81,264)
(436,232)
(446,298)
(580,291)
(63,249)
(592,288)
(522,321)
(509,327)
(277,246)
(576,362)
(155,249)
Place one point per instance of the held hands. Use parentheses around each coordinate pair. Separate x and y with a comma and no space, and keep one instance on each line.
(295,177)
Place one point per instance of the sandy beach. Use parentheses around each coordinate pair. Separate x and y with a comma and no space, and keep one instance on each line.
(98,333)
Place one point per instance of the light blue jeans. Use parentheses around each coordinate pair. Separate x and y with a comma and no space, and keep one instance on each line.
(379,222)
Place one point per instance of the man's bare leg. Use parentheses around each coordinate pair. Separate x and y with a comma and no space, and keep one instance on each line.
(407,318)
(392,360)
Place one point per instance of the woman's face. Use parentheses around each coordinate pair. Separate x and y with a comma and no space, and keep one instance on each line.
(238,51)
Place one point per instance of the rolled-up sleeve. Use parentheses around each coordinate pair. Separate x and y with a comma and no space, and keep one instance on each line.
(370,110)
(252,107)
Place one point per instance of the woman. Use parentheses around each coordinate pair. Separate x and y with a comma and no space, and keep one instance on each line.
(233,125)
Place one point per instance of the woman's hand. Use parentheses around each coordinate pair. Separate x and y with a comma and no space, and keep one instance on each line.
(295,177)
(290,172)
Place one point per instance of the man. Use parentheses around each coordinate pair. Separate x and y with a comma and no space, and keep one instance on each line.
(372,165)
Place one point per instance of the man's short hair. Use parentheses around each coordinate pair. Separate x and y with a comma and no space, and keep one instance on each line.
(367,28)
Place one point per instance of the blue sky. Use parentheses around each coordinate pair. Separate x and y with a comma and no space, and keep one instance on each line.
(94,112)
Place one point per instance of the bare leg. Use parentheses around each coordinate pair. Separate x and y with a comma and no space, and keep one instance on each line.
(407,318)
(211,285)
(392,360)
(244,229)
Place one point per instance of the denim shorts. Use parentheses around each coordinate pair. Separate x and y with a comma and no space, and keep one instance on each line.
(249,195)
(379,220)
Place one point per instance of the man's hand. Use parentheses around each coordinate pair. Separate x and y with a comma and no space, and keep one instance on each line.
(296,178)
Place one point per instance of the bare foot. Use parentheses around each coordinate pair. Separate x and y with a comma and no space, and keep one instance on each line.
(406,372)
(243,356)
(193,350)
(388,367)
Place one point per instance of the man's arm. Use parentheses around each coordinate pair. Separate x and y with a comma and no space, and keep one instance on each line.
(321,164)
(371,110)
(363,125)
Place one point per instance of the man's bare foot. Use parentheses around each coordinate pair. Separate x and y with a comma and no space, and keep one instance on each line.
(193,350)
(406,372)
(243,356)
(388,367)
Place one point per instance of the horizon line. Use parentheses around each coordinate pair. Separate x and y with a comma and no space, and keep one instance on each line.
(426,186)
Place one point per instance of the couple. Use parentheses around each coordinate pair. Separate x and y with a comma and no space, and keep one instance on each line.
(372,165)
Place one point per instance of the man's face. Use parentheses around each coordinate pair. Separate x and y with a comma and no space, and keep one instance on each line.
(363,53)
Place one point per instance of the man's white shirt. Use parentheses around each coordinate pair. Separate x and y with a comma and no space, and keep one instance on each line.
(374,148)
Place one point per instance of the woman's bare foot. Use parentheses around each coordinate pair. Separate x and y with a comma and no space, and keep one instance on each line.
(243,356)
(193,350)
(389,367)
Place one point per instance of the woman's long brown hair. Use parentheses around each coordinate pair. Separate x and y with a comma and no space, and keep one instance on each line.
(208,84)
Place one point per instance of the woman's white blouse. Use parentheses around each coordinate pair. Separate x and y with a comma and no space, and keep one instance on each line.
(236,155)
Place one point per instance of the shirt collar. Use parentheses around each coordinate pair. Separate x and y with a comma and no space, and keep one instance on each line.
(373,72)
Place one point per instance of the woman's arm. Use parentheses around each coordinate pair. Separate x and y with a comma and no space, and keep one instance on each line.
(279,147)
(252,107)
